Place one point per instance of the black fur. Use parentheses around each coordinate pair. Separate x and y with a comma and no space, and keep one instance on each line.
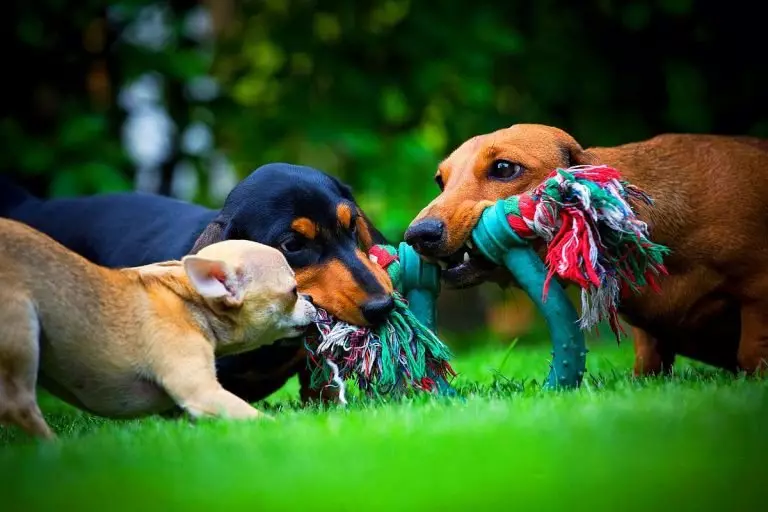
(132,229)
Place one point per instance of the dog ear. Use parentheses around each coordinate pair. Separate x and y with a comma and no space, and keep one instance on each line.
(213,280)
(367,232)
(573,153)
(369,235)
(214,232)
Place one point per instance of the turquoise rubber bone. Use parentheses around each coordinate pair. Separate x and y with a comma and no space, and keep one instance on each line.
(420,284)
(498,242)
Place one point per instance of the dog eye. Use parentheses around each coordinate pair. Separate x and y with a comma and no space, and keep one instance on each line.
(505,170)
(293,244)
(439,181)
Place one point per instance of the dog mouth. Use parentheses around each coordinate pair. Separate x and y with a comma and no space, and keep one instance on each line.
(468,267)
(299,330)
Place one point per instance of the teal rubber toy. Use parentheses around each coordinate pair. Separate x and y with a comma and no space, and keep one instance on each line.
(500,244)
(420,285)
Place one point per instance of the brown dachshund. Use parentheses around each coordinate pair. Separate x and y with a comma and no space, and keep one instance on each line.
(710,208)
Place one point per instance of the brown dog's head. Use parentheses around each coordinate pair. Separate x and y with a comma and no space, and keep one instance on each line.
(315,222)
(481,171)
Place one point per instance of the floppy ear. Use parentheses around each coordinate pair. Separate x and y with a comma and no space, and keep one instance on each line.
(213,280)
(214,232)
(367,232)
(573,153)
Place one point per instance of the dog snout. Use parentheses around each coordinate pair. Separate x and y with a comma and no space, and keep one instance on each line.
(308,298)
(375,310)
(309,311)
(426,236)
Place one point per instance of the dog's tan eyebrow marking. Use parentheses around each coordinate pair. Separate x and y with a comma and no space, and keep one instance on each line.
(305,227)
(344,215)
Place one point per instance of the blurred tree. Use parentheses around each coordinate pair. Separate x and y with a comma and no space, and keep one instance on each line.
(184,97)
(378,92)
(58,117)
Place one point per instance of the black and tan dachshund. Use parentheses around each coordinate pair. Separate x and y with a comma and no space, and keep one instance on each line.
(309,216)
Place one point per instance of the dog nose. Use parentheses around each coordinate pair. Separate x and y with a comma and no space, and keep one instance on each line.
(426,236)
(375,310)
(308,298)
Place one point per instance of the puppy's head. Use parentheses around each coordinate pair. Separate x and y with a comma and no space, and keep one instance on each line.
(252,289)
(481,171)
(313,220)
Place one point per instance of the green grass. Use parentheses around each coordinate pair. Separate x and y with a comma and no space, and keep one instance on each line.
(693,441)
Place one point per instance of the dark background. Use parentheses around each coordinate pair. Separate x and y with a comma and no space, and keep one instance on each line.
(184,98)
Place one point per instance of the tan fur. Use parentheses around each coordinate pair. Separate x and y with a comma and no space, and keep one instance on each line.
(131,342)
(711,209)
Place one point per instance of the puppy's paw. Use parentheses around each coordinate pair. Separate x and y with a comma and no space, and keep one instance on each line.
(264,416)
(253,414)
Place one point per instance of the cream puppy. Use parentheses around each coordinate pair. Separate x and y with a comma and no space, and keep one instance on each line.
(130,342)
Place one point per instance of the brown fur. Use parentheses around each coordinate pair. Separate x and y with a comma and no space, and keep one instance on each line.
(305,227)
(710,207)
(332,285)
(365,236)
(130,342)
(344,215)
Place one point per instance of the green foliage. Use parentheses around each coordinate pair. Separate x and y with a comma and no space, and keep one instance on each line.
(374,92)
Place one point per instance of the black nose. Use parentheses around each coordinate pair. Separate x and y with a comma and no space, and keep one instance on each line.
(308,298)
(375,310)
(426,236)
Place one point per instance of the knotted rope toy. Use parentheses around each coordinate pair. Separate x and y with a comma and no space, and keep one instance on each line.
(592,238)
(394,358)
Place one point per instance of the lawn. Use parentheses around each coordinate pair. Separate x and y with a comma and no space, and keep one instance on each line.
(694,441)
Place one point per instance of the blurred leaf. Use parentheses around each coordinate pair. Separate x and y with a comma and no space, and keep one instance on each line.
(187,64)
(104,178)
(82,129)
(38,160)
(394,105)
(65,183)
(636,15)
(678,7)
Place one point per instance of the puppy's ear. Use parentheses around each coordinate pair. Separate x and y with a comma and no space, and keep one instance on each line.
(217,231)
(213,280)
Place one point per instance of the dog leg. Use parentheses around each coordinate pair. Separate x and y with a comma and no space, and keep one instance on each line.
(190,380)
(753,344)
(19,360)
(651,357)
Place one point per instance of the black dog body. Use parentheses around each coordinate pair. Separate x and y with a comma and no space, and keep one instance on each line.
(113,230)
(306,214)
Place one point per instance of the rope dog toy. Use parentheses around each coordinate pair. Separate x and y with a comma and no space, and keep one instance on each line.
(396,357)
(592,238)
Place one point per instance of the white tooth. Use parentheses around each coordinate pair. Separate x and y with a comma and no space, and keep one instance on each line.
(470,244)
(466,257)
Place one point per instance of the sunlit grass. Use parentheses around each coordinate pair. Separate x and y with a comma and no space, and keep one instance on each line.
(695,440)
